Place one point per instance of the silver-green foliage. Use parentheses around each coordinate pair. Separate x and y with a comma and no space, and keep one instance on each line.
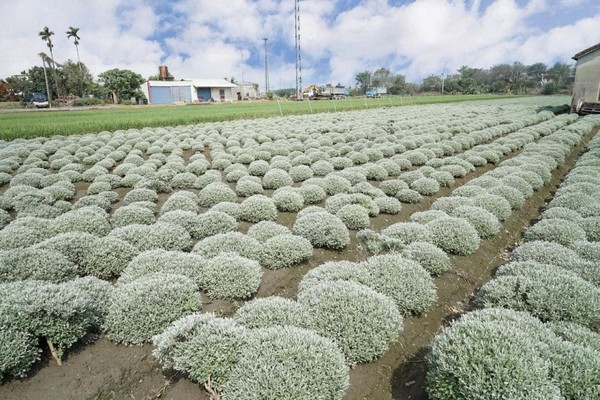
(235,242)
(527,359)
(285,250)
(230,276)
(323,230)
(272,311)
(264,230)
(454,235)
(202,345)
(107,258)
(354,216)
(485,223)
(157,236)
(556,230)
(294,364)
(35,264)
(361,321)
(146,306)
(258,208)
(431,257)
(163,261)
(89,219)
(132,214)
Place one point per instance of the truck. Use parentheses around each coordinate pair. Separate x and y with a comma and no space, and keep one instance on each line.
(35,99)
(327,92)
(374,92)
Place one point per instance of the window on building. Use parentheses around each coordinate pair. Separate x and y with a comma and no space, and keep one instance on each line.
(222,94)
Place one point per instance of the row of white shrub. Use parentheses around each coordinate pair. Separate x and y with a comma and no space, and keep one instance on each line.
(535,330)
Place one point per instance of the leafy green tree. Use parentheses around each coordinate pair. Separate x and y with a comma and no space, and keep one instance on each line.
(432,83)
(77,78)
(397,85)
(363,80)
(123,84)
(383,77)
(560,73)
(536,72)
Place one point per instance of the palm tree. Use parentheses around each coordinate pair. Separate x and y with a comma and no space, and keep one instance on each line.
(48,94)
(45,34)
(73,33)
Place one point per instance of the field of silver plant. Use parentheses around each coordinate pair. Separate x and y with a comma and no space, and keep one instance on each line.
(444,251)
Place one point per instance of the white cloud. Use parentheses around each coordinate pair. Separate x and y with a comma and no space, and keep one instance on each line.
(206,38)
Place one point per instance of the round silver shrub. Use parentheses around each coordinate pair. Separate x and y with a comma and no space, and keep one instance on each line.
(306,364)
(547,292)
(288,200)
(312,194)
(431,257)
(18,352)
(86,219)
(556,230)
(509,342)
(300,173)
(35,264)
(408,232)
(163,261)
(264,230)
(495,204)
(146,306)
(561,213)
(203,346)
(354,216)
(235,242)
(230,276)
(285,250)
(485,223)
(322,230)
(392,186)
(249,186)
(132,214)
(276,178)
(158,236)
(425,186)
(272,311)
(409,196)
(423,217)
(215,193)
(107,258)
(258,208)
(401,279)
(361,321)
(591,226)
(454,235)
(335,184)
(182,201)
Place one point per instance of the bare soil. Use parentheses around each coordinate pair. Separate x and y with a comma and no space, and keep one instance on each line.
(105,370)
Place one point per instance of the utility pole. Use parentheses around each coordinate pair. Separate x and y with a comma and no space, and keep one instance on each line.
(298,54)
(266,67)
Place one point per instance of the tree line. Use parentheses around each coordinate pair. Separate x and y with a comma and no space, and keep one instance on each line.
(515,78)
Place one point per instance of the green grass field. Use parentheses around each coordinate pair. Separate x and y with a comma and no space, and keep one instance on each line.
(30,124)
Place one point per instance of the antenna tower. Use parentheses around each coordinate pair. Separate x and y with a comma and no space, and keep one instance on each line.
(298,54)
(266,67)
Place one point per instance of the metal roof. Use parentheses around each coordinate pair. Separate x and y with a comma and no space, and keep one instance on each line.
(202,83)
(586,52)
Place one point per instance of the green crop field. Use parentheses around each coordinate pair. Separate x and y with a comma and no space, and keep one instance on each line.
(35,123)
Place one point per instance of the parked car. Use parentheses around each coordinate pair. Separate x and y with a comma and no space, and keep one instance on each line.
(35,99)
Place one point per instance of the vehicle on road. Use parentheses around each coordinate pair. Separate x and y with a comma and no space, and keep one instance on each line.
(36,99)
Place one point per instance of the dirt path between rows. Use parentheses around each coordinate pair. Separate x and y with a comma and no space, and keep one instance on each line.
(104,370)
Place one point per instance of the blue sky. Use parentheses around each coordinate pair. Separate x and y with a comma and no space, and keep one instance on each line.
(212,39)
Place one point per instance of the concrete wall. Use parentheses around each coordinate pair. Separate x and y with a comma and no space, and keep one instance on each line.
(587,79)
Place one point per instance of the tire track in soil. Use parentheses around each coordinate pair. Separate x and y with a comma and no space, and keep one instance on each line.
(400,373)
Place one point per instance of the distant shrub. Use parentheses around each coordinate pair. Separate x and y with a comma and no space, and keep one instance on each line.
(146,306)
(288,200)
(258,208)
(132,214)
(454,235)
(322,230)
(230,276)
(202,345)
(335,184)
(556,230)
(409,196)
(354,216)
(249,186)
(265,230)
(307,364)
(370,324)
(234,242)
(230,208)
(215,193)
(93,201)
(408,232)
(485,223)
(448,204)
(273,311)
(180,201)
(163,261)
(258,167)
(300,173)
(285,250)
(158,236)
(444,178)
(276,178)
(86,219)
(425,186)
(429,256)
(495,204)
(35,264)
(393,186)
(545,291)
